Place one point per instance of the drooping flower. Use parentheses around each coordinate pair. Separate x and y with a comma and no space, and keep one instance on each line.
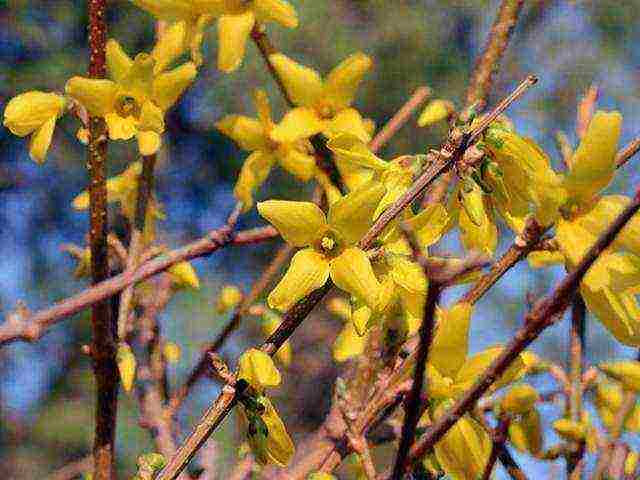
(252,134)
(35,113)
(323,106)
(236,19)
(134,101)
(330,246)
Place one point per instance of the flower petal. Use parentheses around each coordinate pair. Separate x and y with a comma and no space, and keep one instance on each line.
(280,447)
(307,272)
(476,365)
(118,62)
(97,96)
(451,342)
(352,149)
(169,86)
(349,343)
(28,111)
(149,142)
(247,132)
(254,172)
(342,83)
(299,123)
(41,139)
(120,128)
(351,216)
(303,84)
(298,163)
(258,369)
(277,11)
(348,121)
(170,46)
(233,32)
(351,271)
(299,223)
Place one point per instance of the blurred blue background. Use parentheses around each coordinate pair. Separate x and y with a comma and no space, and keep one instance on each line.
(46,389)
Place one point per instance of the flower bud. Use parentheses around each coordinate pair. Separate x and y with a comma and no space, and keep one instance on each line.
(519,399)
(229,298)
(126,361)
(258,369)
(570,429)
(626,372)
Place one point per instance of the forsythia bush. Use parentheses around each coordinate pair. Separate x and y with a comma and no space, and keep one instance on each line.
(503,180)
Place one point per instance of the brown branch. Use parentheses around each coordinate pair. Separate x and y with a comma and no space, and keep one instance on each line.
(400,118)
(73,470)
(498,437)
(541,316)
(427,328)
(497,43)
(509,464)
(627,152)
(30,327)
(576,360)
(103,350)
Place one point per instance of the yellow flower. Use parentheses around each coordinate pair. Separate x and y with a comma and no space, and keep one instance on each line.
(230,296)
(349,343)
(123,189)
(525,432)
(322,106)
(236,19)
(609,400)
(258,369)
(271,442)
(626,372)
(35,113)
(330,243)
(520,399)
(126,362)
(184,275)
(252,134)
(133,103)
(435,111)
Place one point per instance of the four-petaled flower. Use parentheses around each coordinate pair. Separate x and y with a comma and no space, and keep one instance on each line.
(331,246)
(134,102)
(322,106)
(252,134)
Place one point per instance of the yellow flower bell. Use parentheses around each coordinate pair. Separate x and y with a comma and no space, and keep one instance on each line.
(435,111)
(126,362)
(331,246)
(252,134)
(323,106)
(525,432)
(349,343)
(236,19)
(35,113)
(274,444)
(184,275)
(258,369)
(520,399)
(134,101)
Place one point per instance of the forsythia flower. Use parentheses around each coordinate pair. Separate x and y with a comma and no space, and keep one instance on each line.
(230,296)
(608,400)
(323,106)
(610,286)
(349,343)
(330,243)
(123,189)
(236,19)
(35,113)
(252,134)
(525,428)
(435,111)
(134,102)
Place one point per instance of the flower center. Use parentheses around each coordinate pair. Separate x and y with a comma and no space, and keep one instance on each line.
(126,106)
(327,243)
(325,111)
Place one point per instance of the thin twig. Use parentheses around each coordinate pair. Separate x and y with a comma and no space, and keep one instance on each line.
(498,438)
(577,353)
(400,118)
(73,470)
(103,350)
(627,152)
(541,316)
(427,328)
(31,326)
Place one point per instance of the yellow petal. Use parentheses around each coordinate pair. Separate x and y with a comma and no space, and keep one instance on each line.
(570,429)
(543,258)
(151,118)
(464,451)
(254,172)
(307,272)
(475,366)
(299,123)
(351,216)
(41,139)
(263,107)
(184,275)
(299,223)
(31,110)
(348,344)
(280,447)
(247,132)
(258,369)
(171,352)
(167,9)
(170,46)
(118,62)
(434,112)
(525,432)
(429,224)
(169,86)
(625,371)
(347,121)
(121,128)
(351,271)
(149,142)
(340,307)
(233,32)
(361,319)
(451,342)
(303,84)
(343,81)
(97,96)
(407,274)
(618,312)
(483,237)
(349,148)
(277,11)
(126,361)
(298,163)
(593,165)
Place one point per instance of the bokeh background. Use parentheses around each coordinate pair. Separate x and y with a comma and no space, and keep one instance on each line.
(46,389)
